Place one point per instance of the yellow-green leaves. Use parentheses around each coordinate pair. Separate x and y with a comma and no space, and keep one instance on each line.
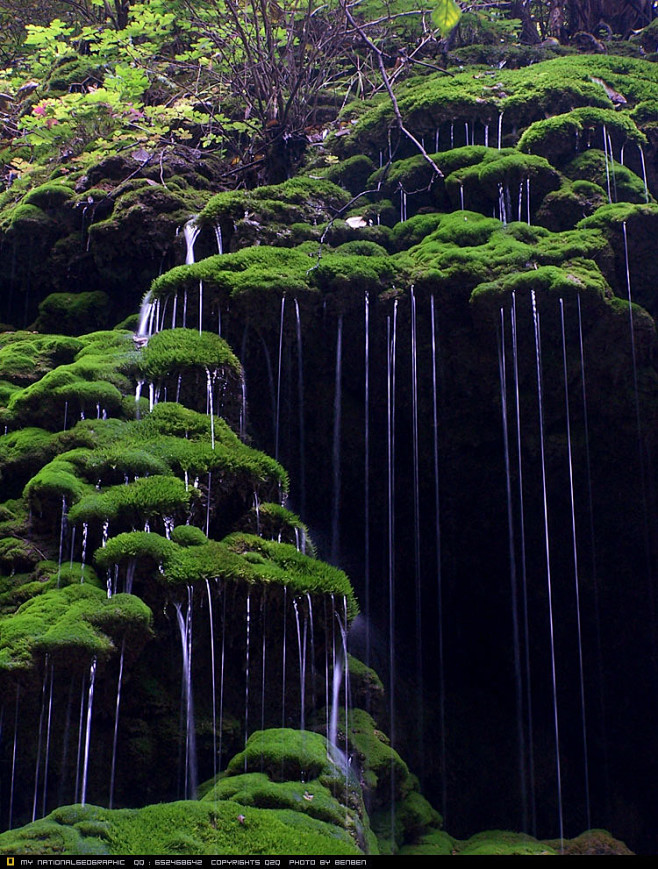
(445,16)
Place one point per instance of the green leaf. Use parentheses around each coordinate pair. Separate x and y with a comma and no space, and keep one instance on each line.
(445,16)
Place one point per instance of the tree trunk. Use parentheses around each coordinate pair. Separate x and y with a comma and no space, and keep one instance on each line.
(621,16)
(521,9)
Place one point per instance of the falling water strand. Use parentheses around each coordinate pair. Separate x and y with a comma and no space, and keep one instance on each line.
(520,209)
(644,173)
(581,668)
(90,707)
(85,531)
(283,658)
(185,631)
(366,473)
(420,714)
(39,738)
(62,528)
(607,162)
(46,765)
(211,621)
(461,196)
(300,410)
(524,577)
(391,357)
(246,675)
(145,316)
(594,563)
(116,723)
(190,233)
(537,330)
(501,204)
(439,573)
(527,199)
(263,621)
(518,681)
(218,237)
(208,502)
(312,646)
(612,169)
(210,378)
(335,506)
(500,130)
(81,724)
(641,457)
(200,307)
(301,649)
(221,676)
(13,760)
(278,382)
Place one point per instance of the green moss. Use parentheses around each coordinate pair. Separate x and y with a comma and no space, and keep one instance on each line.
(593,167)
(179,828)
(256,789)
(284,755)
(385,774)
(73,624)
(72,313)
(188,535)
(560,136)
(178,350)
(437,843)
(502,842)
(50,195)
(135,503)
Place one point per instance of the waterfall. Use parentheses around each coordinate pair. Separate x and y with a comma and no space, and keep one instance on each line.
(146,316)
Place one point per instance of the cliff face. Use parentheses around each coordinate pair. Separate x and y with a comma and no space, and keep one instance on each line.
(448,362)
